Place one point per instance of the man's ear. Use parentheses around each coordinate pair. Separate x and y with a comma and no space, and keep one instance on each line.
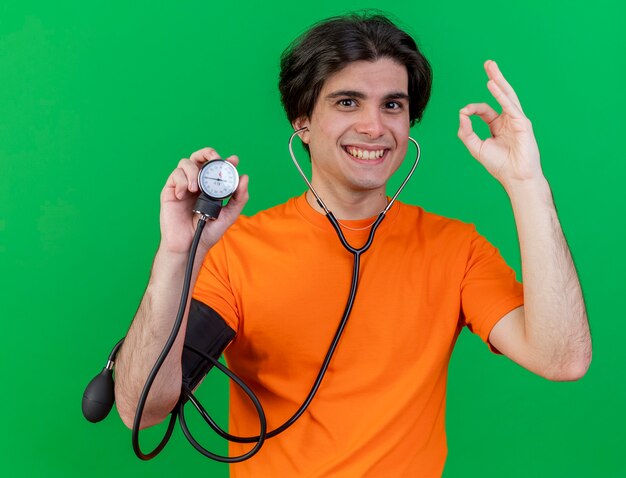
(300,123)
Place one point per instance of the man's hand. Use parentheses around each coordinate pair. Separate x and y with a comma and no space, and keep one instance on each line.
(550,334)
(157,311)
(178,222)
(511,154)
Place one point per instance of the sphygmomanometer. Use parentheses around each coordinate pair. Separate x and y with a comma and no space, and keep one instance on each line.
(207,334)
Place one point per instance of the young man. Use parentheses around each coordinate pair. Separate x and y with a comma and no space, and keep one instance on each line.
(279,279)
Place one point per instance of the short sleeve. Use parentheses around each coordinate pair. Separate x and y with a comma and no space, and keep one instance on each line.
(489,289)
(213,286)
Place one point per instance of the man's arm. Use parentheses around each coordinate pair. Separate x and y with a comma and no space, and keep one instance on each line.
(550,334)
(155,317)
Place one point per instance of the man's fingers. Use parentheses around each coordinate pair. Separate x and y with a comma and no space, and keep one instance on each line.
(508,106)
(177,183)
(482,110)
(494,73)
(234,160)
(191,172)
(237,201)
(203,155)
(240,196)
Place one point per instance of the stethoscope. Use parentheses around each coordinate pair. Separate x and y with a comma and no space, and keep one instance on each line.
(218,179)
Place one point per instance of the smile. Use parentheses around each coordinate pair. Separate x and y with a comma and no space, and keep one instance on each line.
(366,154)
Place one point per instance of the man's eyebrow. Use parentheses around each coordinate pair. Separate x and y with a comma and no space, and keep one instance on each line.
(394,95)
(342,93)
(397,96)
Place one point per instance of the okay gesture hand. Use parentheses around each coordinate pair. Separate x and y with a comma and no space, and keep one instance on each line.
(511,153)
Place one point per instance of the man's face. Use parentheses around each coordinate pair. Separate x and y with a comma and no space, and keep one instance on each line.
(359,128)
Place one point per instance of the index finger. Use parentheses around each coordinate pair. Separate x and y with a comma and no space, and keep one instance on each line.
(494,73)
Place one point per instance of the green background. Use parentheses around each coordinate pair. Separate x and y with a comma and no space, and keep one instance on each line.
(99,101)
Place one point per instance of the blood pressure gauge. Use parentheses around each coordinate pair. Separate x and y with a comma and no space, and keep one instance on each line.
(218,180)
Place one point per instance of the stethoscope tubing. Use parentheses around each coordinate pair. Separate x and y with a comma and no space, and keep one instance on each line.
(187,394)
(356,252)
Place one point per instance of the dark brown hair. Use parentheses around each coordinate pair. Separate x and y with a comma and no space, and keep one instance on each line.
(334,43)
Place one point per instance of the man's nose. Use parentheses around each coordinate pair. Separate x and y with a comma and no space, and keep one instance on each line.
(370,122)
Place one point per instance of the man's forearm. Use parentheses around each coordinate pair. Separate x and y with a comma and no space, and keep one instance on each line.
(555,323)
(144,342)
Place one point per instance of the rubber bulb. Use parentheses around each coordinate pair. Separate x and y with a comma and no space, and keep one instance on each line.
(99,396)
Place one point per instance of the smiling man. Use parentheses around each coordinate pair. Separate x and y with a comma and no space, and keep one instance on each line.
(357,135)
(277,282)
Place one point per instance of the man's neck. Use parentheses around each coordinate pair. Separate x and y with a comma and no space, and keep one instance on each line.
(357,205)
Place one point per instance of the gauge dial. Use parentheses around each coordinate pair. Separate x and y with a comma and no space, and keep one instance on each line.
(218,179)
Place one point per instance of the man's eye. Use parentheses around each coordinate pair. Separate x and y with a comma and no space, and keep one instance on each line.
(347,103)
(393,105)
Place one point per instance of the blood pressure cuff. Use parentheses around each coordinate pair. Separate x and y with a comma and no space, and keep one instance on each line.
(208,332)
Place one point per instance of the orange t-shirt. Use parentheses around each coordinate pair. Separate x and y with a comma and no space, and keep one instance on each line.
(281,278)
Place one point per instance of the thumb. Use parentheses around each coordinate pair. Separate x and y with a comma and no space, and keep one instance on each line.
(236,203)
(228,214)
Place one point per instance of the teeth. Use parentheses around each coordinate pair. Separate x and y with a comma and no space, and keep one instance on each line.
(365,154)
